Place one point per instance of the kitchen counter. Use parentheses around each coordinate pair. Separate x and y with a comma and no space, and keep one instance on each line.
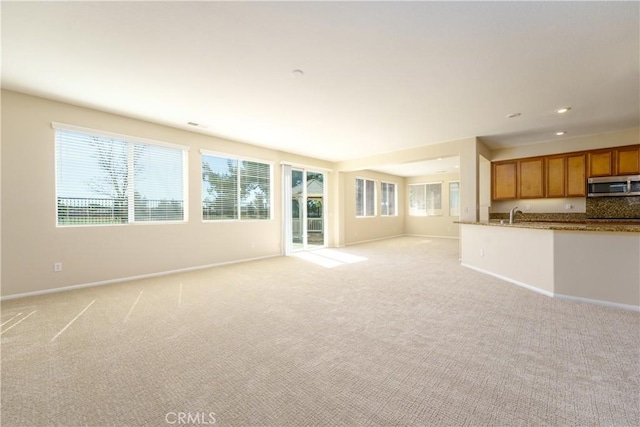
(598,226)
(594,262)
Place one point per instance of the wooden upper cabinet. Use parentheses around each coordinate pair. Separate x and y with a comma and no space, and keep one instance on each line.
(560,175)
(504,180)
(576,177)
(555,176)
(531,178)
(600,163)
(628,160)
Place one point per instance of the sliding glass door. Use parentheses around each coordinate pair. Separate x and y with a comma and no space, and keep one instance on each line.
(305,223)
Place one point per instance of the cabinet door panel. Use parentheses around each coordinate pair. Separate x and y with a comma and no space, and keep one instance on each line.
(576,176)
(531,178)
(601,163)
(555,176)
(628,160)
(504,180)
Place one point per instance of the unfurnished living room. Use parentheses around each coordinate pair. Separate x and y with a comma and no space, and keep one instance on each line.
(320,213)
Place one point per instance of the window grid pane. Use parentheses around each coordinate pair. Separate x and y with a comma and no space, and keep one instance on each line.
(158,183)
(454,199)
(388,199)
(370,198)
(425,199)
(103,180)
(365,197)
(359,197)
(434,199)
(417,200)
(255,184)
(235,189)
(219,188)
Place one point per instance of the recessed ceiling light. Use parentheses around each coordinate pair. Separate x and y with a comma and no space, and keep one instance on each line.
(439,158)
(560,133)
(297,73)
(456,166)
(197,125)
(563,110)
(513,115)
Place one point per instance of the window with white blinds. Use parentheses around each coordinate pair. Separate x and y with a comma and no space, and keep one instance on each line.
(104,179)
(425,199)
(365,197)
(454,198)
(235,189)
(388,198)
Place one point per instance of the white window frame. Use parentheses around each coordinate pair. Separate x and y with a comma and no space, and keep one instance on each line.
(384,195)
(426,212)
(450,199)
(365,199)
(239,209)
(130,140)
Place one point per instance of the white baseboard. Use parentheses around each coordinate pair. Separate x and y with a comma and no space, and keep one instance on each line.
(126,279)
(598,302)
(432,236)
(553,295)
(373,240)
(507,279)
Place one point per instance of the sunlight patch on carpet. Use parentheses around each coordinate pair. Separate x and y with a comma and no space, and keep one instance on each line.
(329,258)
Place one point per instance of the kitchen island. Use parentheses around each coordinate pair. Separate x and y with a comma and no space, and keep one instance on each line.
(589,262)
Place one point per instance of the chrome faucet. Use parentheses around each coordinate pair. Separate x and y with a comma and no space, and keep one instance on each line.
(512,215)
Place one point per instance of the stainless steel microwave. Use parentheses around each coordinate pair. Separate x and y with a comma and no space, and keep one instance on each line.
(614,186)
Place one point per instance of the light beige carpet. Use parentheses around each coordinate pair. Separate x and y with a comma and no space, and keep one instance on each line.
(394,333)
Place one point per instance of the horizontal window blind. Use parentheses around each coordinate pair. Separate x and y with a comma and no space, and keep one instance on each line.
(234,189)
(425,199)
(108,180)
(359,197)
(388,196)
(454,198)
(255,183)
(365,197)
(219,188)
(417,200)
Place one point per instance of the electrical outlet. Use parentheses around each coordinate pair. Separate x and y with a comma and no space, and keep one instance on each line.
(568,206)
(528,207)
(482,252)
(57,267)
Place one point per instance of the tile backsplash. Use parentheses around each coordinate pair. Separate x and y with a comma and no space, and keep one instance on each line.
(543,217)
(613,207)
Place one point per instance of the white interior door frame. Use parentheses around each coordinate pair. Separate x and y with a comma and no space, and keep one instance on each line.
(287,232)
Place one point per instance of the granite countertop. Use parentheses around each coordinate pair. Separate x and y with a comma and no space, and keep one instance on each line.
(625,227)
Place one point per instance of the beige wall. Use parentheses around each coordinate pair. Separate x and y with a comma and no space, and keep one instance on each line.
(598,266)
(442,225)
(32,243)
(568,145)
(518,254)
(467,149)
(364,229)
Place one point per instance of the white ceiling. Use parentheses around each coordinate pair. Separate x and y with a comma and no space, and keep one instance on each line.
(378,76)
(437,166)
